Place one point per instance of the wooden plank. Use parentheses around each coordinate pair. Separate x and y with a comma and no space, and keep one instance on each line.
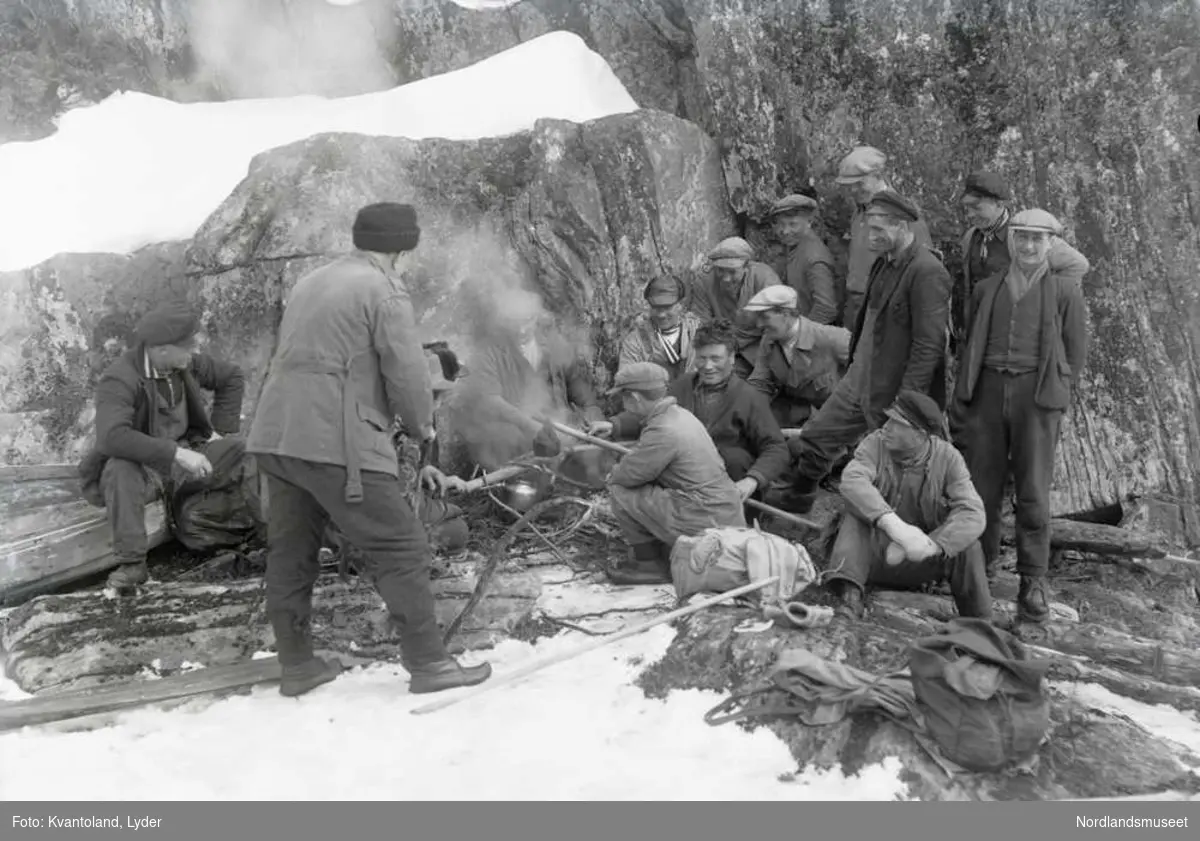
(136,693)
(1103,540)
(34,472)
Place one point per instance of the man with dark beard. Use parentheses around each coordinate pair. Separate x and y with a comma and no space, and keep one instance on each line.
(664,335)
(912,516)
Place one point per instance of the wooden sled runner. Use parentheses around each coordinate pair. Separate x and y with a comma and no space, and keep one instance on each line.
(50,536)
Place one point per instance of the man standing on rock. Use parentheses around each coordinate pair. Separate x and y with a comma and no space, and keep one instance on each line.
(152,428)
(672,484)
(664,335)
(736,416)
(736,277)
(912,514)
(809,263)
(347,363)
(899,341)
(862,171)
(1026,345)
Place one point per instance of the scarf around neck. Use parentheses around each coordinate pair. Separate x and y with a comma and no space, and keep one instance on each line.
(992,232)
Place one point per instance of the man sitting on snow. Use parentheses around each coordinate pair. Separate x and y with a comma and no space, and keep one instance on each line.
(153,431)
(913,516)
(672,484)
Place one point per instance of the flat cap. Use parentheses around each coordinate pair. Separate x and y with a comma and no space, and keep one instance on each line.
(987,184)
(778,295)
(639,375)
(894,204)
(731,253)
(664,291)
(1036,220)
(169,324)
(917,410)
(861,162)
(793,203)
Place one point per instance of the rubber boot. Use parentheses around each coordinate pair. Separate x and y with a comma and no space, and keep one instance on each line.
(1031,600)
(446,674)
(300,671)
(129,576)
(647,565)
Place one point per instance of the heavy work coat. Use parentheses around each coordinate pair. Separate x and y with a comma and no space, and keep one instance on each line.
(641,344)
(810,271)
(502,391)
(742,428)
(127,406)
(909,342)
(934,493)
(798,388)
(1063,340)
(861,258)
(673,481)
(348,362)
(712,301)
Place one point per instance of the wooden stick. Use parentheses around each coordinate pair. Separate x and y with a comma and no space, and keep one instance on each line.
(38,472)
(1179,560)
(493,478)
(538,665)
(623,450)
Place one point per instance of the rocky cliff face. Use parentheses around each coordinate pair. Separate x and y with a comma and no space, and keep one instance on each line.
(1088,109)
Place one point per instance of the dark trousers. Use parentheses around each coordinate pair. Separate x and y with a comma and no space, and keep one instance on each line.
(127,487)
(738,462)
(858,557)
(303,497)
(1005,431)
(836,426)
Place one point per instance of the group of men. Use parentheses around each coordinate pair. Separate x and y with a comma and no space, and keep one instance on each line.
(706,395)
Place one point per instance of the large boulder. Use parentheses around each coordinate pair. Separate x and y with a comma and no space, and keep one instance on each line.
(581,214)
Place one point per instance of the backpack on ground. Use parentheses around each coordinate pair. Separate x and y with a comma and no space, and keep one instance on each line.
(719,559)
(224,509)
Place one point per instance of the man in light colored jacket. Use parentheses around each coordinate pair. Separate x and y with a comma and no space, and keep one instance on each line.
(664,334)
(347,363)
(673,482)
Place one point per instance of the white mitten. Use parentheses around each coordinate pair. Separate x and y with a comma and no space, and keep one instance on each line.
(911,539)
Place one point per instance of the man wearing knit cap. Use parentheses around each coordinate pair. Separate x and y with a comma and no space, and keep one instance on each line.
(672,483)
(734,279)
(347,364)
(664,334)
(152,429)
(898,342)
(1026,345)
(800,361)
(809,267)
(985,245)
(862,172)
(912,514)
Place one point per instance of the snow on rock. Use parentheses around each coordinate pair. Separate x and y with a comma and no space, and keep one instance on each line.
(136,169)
(594,736)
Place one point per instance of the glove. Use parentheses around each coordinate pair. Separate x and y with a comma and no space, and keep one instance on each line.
(910,538)
(895,555)
(546,443)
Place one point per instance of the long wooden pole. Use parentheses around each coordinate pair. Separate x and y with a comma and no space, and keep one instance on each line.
(538,665)
(623,450)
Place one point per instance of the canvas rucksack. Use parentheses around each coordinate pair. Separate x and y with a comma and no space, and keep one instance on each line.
(223,509)
(981,697)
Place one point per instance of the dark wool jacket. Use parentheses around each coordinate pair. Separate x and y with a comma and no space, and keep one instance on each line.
(126,409)
(743,421)
(909,343)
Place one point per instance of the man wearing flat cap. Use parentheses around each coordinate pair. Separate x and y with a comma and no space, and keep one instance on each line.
(863,172)
(664,334)
(800,361)
(912,514)
(672,483)
(898,342)
(152,428)
(1026,345)
(809,268)
(348,362)
(985,245)
(734,279)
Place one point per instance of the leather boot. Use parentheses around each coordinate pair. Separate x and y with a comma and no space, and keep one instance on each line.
(129,576)
(646,565)
(304,677)
(1031,599)
(850,598)
(446,674)
(800,497)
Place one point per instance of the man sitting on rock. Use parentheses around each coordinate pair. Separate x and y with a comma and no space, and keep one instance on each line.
(152,429)
(736,416)
(736,277)
(913,516)
(800,361)
(673,482)
(664,335)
